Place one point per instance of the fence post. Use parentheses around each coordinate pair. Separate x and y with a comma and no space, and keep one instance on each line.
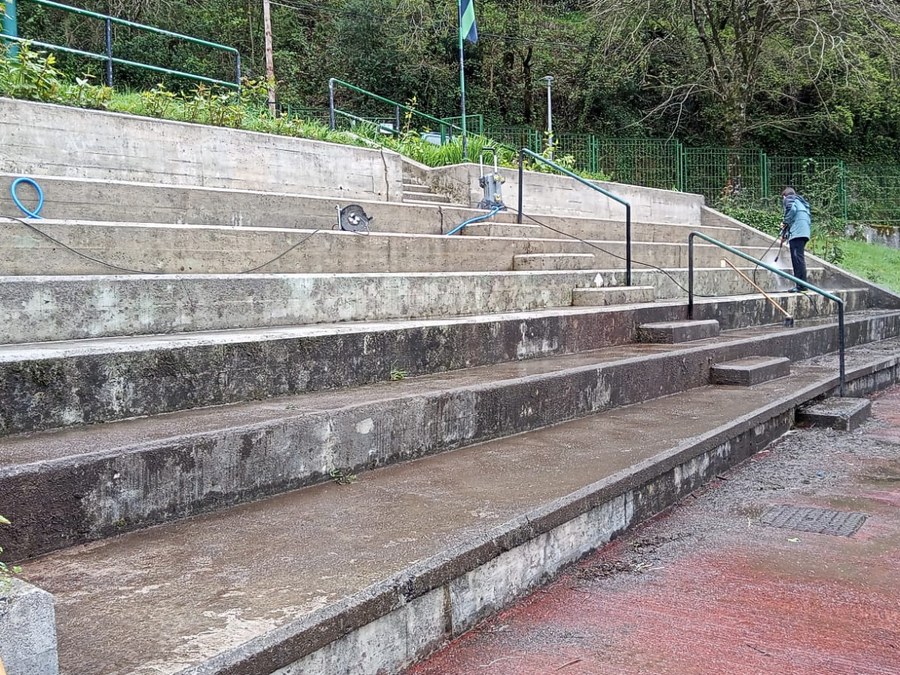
(679,167)
(764,177)
(109,53)
(842,191)
(594,155)
(10,26)
(332,122)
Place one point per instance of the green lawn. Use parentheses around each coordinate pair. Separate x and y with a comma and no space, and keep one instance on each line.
(874,262)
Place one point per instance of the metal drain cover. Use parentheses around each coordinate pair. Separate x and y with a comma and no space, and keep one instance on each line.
(818,521)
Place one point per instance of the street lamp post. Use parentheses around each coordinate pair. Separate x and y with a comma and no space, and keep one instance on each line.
(550,143)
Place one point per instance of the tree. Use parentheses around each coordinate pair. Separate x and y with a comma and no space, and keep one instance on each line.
(758,64)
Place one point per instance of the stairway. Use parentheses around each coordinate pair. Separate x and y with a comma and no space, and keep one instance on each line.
(340,460)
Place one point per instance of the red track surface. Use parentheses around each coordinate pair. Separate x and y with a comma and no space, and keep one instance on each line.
(707,589)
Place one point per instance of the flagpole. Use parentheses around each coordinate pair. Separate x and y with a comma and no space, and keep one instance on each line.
(462,85)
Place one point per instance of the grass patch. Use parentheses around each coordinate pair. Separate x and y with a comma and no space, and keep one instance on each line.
(879,264)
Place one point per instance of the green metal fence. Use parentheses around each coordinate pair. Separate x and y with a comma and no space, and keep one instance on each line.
(858,193)
(108,57)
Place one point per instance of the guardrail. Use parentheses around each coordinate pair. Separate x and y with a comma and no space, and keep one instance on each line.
(111,59)
(523,152)
(774,270)
(445,127)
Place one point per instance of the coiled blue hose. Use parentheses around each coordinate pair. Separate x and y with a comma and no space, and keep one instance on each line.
(476,219)
(15,197)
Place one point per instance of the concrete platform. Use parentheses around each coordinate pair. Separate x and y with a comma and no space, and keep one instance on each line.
(750,371)
(675,332)
(406,557)
(842,414)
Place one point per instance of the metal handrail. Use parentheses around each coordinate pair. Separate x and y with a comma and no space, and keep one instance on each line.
(523,152)
(334,111)
(774,270)
(110,59)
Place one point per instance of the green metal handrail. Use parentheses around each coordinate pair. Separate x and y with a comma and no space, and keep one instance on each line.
(523,152)
(110,59)
(774,270)
(333,83)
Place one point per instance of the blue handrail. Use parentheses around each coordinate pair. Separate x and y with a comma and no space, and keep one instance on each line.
(540,158)
(774,270)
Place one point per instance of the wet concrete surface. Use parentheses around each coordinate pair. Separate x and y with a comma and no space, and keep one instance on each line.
(706,588)
(165,598)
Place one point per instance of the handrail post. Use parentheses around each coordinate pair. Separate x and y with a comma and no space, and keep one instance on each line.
(628,244)
(237,69)
(109,53)
(841,347)
(521,185)
(331,118)
(397,119)
(691,276)
(10,27)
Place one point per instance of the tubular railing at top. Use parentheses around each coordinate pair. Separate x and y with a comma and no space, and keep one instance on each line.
(774,270)
(445,127)
(110,59)
(523,152)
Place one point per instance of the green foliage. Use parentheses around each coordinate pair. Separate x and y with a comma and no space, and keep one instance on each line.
(7,572)
(879,264)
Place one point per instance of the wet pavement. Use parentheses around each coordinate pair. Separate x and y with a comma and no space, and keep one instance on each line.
(709,588)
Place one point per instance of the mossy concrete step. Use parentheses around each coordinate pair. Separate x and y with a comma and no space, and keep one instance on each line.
(750,371)
(612,295)
(105,479)
(494,229)
(51,385)
(407,557)
(674,332)
(840,413)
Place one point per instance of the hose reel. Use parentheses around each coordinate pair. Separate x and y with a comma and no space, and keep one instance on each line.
(353,218)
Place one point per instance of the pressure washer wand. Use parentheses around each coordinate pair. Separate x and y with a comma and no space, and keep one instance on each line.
(788,319)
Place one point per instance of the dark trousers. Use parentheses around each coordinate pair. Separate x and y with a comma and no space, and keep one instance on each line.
(798,258)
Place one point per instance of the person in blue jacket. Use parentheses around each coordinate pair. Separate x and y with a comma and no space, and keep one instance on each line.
(796,229)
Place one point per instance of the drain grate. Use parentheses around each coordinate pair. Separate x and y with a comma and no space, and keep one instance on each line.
(818,521)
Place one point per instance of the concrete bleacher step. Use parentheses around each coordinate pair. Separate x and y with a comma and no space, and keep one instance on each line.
(750,371)
(554,261)
(426,198)
(381,571)
(493,229)
(203,249)
(612,295)
(62,384)
(99,480)
(90,200)
(675,332)
(56,308)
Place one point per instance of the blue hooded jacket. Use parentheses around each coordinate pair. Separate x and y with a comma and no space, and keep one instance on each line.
(797,217)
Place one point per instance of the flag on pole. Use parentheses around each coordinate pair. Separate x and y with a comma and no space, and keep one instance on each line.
(467,28)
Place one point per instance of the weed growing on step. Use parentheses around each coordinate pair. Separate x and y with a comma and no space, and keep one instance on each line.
(7,572)
(398,374)
(342,476)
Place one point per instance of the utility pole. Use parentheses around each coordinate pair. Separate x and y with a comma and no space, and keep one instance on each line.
(550,143)
(270,59)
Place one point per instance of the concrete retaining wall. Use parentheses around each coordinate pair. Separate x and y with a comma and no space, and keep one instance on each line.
(44,139)
(561,195)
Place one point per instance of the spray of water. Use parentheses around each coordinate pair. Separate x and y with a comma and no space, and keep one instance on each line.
(783,263)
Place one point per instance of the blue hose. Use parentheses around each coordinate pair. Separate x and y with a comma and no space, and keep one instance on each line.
(15,197)
(476,219)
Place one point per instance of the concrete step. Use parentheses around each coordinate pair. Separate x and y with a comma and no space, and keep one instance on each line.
(194,249)
(750,371)
(676,332)
(416,187)
(64,384)
(554,261)
(407,557)
(492,229)
(622,295)
(43,309)
(87,200)
(426,198)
